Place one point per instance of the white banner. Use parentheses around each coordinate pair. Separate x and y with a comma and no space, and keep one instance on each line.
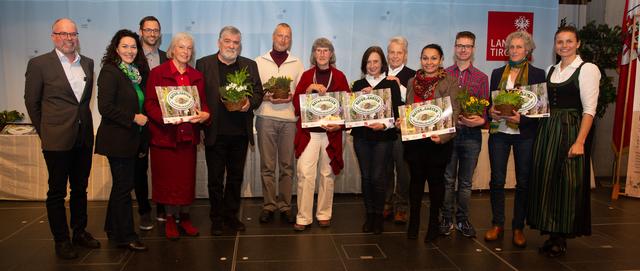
(632,185)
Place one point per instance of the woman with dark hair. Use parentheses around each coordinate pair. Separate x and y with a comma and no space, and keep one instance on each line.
(428,158)
(373,143)
(517,132)
(122,132)
(173,145)
(560,184)
(318,147)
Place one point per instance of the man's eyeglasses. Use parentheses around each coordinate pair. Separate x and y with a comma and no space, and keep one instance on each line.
(149,31)
(464,46)
(67,35)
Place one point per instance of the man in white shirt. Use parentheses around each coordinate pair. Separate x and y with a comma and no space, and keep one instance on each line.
(57,94)
(276,126)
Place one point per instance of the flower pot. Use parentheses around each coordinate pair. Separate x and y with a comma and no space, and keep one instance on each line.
(506,109)
(469,114)
(234,106)
(280,93)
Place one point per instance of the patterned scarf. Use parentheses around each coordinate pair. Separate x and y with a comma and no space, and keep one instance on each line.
(424,86)
(523,75)
(132,72)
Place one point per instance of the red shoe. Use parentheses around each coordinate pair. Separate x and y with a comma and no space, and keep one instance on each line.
(187,226)
(171,228)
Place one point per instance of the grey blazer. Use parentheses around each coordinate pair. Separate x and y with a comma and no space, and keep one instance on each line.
(59,118)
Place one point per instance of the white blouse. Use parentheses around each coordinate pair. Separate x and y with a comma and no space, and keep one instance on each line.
(589,82)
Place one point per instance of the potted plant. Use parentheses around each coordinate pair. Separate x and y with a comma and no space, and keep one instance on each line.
(507,101)
(471,105)
(234,94)
(9,116)
(278,86)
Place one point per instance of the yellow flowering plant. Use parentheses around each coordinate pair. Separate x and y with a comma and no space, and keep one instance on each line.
(470,104)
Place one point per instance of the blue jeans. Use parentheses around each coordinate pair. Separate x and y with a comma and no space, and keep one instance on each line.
(466,149)
(499,148)
(373,157)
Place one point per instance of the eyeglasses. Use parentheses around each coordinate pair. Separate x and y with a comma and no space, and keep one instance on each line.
(149,31)
(464,46)
(67,35)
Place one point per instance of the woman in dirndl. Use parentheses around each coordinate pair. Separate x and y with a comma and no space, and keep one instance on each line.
(559,199)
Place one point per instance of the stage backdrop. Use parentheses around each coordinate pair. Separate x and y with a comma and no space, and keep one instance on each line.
(352,26)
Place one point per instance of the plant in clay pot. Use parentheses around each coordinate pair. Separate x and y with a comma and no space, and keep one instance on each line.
(279,87)
(471,105)
(234,94)
(507,101)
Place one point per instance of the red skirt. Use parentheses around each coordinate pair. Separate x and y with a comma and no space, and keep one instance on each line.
(173,174)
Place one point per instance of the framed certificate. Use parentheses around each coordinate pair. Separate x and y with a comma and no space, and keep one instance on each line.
(178,102)
(317,110)
(424,119)
(362,109)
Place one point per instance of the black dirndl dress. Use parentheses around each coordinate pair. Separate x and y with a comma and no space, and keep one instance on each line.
(559,189)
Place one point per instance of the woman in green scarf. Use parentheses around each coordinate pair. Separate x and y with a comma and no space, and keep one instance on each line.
(517,132)
(122,134)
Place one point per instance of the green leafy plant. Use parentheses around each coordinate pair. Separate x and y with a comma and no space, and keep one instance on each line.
(509,97)
(278,86)
(470,104)
(10,116)
(239,86)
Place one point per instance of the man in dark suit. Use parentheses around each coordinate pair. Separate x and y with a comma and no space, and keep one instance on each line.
(57,93)
(151,37)
(227,138)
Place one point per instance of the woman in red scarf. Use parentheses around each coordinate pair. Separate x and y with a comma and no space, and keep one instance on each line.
(428,158)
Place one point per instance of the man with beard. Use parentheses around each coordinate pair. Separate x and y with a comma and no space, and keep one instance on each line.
(276,126)
(228,135)
(57,94)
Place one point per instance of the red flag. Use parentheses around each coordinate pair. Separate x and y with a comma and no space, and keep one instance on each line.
(627,67)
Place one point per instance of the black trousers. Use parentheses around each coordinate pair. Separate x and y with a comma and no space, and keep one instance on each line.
(141,184)
(228,154)
(427,162)
(73,165)
(119,221)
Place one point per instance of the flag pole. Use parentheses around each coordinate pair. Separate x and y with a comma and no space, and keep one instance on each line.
(616,184)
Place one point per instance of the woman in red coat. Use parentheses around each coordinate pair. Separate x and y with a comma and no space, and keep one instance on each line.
(318,147)
(173,146)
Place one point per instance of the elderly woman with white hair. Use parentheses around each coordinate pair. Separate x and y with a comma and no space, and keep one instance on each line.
(173,146)
(318,147)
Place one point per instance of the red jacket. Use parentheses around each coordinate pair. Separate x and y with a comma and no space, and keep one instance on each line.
(167,135)
(334,150)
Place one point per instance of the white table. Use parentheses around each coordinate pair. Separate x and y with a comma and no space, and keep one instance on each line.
(23,173)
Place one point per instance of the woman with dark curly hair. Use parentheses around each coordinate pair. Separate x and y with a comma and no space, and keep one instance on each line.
(122,131)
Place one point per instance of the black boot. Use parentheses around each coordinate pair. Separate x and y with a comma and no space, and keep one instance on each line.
(368,223)
(378,222)
(414,221)
(436,197)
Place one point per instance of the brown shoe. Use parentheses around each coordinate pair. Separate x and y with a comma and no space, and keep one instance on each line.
(324,223)
(298,227)
(518,238)
(400,218)
(493,233)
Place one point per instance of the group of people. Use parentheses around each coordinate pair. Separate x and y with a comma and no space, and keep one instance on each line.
(551,154)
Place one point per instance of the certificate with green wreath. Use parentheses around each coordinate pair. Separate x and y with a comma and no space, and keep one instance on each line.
(178,103)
